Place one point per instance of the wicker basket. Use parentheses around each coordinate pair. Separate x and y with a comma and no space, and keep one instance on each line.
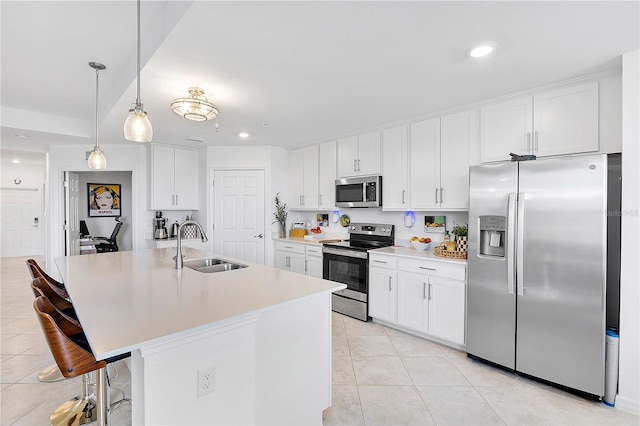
(441,252)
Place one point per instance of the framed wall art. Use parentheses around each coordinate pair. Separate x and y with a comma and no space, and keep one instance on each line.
(104,199)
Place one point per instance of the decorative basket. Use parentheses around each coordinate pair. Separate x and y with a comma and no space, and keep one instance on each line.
(441,252)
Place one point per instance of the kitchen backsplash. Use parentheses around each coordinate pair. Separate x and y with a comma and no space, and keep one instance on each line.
(402,233)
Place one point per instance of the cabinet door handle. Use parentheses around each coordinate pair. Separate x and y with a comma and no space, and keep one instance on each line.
(320,199)
(529,142)
(403,192)
(389,282)
(441,195)
(355,165)
(358,164)
(306,266)
(428,269)
(535,140)
(429,298)
(436,195)
(424,290)
(288,262)
(176,199)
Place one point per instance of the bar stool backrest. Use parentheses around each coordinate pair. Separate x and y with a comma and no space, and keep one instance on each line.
(37,272)
(71,358)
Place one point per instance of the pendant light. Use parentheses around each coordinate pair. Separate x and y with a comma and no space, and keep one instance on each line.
(137,127)
(97,160)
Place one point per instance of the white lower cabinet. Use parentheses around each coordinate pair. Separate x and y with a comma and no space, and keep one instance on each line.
(427,296)
(299,257)
(314,261)
(382,293)
(290,257)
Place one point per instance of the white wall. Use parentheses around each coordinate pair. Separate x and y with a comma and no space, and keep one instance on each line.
(30,174)
(273,160)
(629,381)
(126,157)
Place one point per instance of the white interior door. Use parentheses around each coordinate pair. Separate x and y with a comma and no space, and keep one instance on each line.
(21,222)
(71,218)
(239,220)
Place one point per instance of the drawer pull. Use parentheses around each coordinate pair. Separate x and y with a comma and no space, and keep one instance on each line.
(428,269)
(380,261)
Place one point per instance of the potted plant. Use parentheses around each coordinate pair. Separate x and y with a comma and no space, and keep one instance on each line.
(461,232)
(281,216)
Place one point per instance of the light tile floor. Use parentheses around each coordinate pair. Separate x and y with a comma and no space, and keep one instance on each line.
(380,376)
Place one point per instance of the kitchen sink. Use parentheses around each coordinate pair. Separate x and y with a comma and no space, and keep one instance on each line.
(208,266)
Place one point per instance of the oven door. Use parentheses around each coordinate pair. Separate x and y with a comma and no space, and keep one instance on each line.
(348,267)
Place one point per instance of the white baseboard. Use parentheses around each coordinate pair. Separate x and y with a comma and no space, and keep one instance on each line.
(627,404)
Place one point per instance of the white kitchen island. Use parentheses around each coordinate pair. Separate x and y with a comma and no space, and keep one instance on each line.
(262,335)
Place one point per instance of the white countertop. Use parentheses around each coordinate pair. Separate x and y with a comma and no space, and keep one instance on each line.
(413,253)
(127,298)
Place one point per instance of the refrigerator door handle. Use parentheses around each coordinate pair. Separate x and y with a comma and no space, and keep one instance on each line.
(511,244)
(520,248)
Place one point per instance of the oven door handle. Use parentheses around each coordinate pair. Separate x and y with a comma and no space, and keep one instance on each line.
(347,253)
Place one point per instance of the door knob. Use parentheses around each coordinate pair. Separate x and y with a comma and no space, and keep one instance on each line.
(258,236)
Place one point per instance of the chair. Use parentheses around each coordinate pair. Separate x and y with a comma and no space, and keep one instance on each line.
(36,272)
(41,287)
(105,245)
(72,353)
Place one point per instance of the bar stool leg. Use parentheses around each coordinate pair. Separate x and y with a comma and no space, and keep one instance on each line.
(103,398)
(77,411)
(51,374)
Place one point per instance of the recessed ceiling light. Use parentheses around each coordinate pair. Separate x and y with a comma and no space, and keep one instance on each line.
(482,50)
(243,135)
(22,136)
(16,161)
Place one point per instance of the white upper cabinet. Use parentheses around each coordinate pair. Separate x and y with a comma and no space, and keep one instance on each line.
(327,175)
(439,161)
(566,121)
(303,178)
(174,178)
(395,168)
(424,164)
(458,135)
(359,155)
(557,122)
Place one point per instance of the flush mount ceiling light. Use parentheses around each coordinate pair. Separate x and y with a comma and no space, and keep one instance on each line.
(482,50)
(196,107)
(97,160)
(137,127)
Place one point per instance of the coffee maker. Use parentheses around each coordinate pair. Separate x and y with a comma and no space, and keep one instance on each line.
(160,230)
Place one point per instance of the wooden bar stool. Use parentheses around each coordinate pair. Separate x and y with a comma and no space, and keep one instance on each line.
(51,373)
(72,353)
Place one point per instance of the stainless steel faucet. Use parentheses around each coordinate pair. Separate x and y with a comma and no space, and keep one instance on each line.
(203,237)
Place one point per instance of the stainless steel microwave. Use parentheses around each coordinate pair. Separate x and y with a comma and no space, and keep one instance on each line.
(365,191)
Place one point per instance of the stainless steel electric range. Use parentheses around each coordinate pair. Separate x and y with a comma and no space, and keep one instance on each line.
(347,262)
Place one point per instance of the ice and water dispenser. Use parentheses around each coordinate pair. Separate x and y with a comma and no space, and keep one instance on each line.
(492,235)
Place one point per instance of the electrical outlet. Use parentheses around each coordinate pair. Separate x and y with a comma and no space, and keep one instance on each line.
(206,381)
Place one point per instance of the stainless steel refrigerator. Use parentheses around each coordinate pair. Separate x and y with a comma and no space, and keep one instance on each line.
(537,268)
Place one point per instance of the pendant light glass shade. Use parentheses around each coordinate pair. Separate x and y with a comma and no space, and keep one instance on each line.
(97,160)
(137,127)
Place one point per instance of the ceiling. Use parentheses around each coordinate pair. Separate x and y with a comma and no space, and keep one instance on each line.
(288,73)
